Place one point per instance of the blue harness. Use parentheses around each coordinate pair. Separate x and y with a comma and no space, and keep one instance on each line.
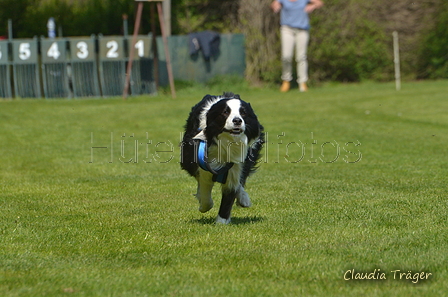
(220,175)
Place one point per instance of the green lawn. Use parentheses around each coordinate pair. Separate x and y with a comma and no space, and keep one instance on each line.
(352,177)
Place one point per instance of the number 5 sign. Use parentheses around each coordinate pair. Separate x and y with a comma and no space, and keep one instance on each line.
(25,51)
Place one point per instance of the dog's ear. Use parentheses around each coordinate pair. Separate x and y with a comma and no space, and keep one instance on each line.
(230,95)
(249,107)
(208,97)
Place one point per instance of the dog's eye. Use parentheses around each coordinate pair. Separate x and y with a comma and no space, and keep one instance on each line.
(242,111)
(226,111)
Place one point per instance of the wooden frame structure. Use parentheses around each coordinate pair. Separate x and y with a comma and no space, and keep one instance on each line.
(165,46)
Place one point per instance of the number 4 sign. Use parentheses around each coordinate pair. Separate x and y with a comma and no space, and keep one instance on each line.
(53,51)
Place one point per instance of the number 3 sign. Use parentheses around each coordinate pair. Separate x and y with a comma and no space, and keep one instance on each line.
(82,49)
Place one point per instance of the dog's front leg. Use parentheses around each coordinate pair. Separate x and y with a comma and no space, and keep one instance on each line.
(204,193)
(228,198)
(242,198)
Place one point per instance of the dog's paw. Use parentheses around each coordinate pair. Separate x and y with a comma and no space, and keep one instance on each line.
(204,207)
(220,220)
(243,199)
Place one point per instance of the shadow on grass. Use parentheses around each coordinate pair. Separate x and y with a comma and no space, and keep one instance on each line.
(235,220)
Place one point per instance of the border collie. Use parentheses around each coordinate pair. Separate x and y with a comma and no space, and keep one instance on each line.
(222,143)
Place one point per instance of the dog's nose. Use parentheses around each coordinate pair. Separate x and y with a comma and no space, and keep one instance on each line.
(237,121)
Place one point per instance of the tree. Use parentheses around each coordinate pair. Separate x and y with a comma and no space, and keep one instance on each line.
(198,15)
(260,26)
(16,10)
(433,54)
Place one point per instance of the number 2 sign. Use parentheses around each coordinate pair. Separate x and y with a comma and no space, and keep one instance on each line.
(111,48)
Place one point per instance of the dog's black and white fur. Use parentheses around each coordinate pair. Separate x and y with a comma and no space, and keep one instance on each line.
(232,134)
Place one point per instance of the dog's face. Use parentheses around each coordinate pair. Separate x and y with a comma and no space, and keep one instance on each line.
(232,116)
(228,114)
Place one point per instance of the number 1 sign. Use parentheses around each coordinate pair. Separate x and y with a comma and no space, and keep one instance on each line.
(142,47)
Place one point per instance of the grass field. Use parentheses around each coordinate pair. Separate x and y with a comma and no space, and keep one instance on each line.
(353,177)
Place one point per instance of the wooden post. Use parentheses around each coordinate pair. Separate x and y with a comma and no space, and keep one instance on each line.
(397,61)
(131,50)
(167,52)
(165,45)
(154,45)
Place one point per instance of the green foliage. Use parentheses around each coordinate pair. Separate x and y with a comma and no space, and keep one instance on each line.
(74,18)
(260,27)
(350,40)
(17,11)
(70,227)
(349,48)
(433,56)
(200,15)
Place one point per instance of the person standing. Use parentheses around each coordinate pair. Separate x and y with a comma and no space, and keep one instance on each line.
(294,33)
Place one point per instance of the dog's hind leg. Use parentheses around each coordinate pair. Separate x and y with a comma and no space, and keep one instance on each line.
(228,198)
(204,192)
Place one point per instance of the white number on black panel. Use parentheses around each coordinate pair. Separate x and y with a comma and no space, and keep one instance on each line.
(24,51)
(113,49)
(53,51)
(140,46)
(83,50)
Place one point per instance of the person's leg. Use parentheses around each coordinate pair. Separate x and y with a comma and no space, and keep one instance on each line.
(287,42)
(302,39)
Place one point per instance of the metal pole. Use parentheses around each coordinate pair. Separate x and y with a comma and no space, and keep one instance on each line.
(397,61)
(131,50)
(10,29)
(167,52)
(125,25)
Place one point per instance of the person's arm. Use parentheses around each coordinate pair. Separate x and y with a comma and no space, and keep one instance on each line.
(313,5)
(276,6)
